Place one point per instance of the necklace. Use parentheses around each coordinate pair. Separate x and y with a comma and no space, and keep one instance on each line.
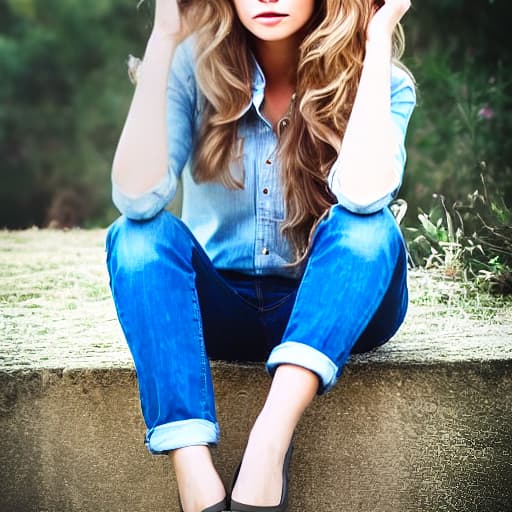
(285,120)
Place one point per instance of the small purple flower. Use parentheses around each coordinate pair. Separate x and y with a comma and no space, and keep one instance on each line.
(486,112)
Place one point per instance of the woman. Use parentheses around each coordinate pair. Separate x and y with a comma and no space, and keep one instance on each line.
(286,122)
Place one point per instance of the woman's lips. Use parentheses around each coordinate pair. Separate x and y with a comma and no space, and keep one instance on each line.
(270,15)
(270,18)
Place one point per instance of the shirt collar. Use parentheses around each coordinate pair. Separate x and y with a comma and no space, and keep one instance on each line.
(258,78)
(258,91)
(258,87)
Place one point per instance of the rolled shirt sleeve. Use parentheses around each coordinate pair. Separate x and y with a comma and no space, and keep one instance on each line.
(403,100)
(180,115)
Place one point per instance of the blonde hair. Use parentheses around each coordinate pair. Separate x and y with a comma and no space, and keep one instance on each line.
(329,69)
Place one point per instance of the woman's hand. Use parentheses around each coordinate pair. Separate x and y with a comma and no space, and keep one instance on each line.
(167,17)
(385,18)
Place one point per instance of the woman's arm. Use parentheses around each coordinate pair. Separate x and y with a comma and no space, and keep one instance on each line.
(367,168)
(141,157)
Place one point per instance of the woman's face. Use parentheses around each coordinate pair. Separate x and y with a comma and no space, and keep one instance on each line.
(274,20)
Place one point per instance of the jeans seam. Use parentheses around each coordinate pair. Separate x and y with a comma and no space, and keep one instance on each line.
(202,348)
(259,294)
(124,321)
(224,283)
(277,304)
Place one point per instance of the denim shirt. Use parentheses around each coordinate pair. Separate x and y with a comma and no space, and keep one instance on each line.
(240,229)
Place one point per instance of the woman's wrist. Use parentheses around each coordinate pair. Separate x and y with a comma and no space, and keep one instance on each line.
(380,43)
(160,45)
(379,34)
(159,36)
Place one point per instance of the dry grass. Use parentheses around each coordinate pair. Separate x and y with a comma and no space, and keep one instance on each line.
(56,309)
(55,301)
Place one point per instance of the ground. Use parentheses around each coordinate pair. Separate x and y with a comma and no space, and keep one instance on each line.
(56,310)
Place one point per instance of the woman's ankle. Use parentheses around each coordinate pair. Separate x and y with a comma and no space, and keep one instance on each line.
(199,483)
(268,436)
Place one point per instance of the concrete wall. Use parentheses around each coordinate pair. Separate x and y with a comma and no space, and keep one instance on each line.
(389,438)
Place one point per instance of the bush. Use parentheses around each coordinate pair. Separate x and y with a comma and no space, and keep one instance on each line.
(459,131)
(459,141)
(64,96)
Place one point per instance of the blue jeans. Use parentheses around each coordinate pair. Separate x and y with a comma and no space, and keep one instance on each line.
(177,312)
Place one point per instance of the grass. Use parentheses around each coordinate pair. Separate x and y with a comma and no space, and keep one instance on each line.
(452,297)
(56,307)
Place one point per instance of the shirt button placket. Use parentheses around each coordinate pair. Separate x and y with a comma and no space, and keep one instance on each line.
(265,251)
(265,189)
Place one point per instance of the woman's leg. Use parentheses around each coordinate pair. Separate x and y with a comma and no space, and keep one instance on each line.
(259,480)
(163,284)
(153,285)
(353,293)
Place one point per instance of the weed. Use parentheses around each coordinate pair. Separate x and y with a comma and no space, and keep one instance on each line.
(471,240)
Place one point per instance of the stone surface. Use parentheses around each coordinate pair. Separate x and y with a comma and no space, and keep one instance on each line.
(421,424)
(388,439)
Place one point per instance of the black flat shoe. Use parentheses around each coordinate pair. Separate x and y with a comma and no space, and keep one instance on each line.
(242,507)
(218,507)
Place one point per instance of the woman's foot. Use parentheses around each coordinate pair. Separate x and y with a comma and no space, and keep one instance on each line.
(199,483)
(260,479)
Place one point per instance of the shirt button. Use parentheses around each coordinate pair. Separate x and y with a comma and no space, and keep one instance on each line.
(265,251)
(269,162)
(265,191)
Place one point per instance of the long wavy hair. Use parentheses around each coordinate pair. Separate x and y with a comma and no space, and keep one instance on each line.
(329,68)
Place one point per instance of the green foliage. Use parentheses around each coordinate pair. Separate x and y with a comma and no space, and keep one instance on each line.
(459,134)
(464,115)
(471,239)
(459,131)
(64,96)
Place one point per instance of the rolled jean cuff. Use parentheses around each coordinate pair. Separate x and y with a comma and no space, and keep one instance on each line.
(300,354)
(178,434)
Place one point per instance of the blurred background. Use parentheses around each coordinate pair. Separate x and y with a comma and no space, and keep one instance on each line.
(64,94)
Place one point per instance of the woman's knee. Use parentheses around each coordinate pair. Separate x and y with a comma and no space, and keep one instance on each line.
(133,244)
(364,235)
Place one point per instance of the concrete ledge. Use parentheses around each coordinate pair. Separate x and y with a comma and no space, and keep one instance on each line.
(390,438)
(424,423)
